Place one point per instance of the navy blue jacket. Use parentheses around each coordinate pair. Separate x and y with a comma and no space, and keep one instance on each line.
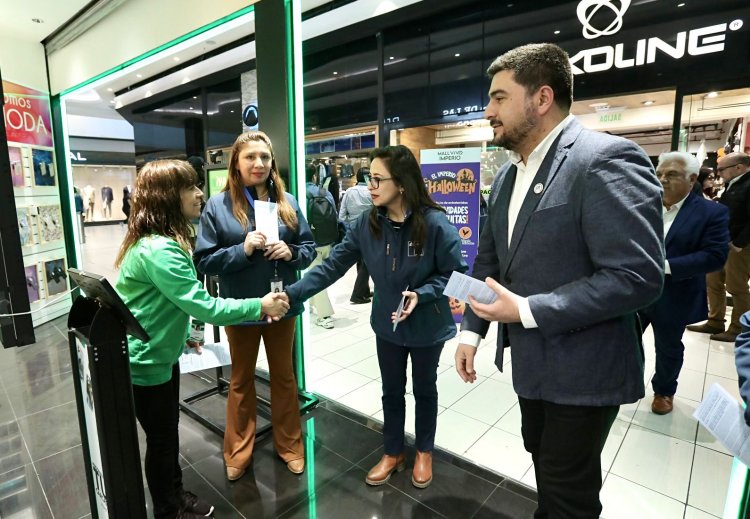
(393,265)
(697,243)
(219,251)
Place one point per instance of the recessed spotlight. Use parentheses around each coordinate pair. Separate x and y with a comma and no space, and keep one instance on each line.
(37,20)
(195,97)
(139,76)
(392,57)
(557,31)
(712,94)
(681,4)
(335,73)
(648,103)
(231,111)
(457,54)
(176,58)
(109,89)
(191,108)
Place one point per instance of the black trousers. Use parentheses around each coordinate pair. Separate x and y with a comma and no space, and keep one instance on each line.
(361,288)
(156,408)
(566,443)
(424,362)
(670,353)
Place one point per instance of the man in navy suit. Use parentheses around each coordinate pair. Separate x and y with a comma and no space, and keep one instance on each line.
(573,247)
(697,242)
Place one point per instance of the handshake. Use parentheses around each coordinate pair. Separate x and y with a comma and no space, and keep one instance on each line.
(274,306)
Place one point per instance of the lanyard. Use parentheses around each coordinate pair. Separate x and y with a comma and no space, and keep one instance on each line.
(250,199)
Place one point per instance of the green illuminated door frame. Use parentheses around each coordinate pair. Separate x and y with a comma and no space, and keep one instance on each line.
(293,21)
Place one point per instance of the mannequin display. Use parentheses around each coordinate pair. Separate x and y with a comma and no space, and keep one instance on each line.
(126,194)
(88,202)
(107,197)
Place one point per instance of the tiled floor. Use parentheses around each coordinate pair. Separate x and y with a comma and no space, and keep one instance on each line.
(654,467)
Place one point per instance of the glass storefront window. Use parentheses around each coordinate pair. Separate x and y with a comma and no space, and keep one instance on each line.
(223,113)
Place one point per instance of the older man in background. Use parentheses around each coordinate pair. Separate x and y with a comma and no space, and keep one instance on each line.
(696,239)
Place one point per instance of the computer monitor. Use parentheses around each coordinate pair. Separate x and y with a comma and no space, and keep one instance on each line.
(97,287)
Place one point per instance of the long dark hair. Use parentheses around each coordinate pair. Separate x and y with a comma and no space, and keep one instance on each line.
(274,182)
(156,205)
(404,169)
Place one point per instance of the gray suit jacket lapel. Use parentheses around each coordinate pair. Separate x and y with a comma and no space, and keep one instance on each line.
(547,171)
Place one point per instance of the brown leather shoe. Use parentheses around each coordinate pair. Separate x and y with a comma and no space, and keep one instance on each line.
(662,404)
(705,328)
(381,473)
(296,466)
(421,476)
(724,337)
(233,473)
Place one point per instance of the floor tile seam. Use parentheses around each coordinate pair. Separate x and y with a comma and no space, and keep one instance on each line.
(477,419)
(609,469)
(684,503)
(665,434)
(404,494)
(16,420)
(495,490)
(219,492)
(56,453)
(73,401)
(44,492)
(345,367)
(702,510)
(465,394)
(472,462)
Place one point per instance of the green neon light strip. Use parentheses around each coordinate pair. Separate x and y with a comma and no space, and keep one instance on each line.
(168,45)
(312,496)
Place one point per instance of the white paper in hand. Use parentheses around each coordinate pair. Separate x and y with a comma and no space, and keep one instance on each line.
(267,220)
(723,416)
(461,286)
(213,356)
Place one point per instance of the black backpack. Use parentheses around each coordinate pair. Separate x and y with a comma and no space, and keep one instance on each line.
(323,219)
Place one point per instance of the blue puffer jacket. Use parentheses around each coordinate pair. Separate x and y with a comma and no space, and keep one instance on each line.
(393,265)
(219,251)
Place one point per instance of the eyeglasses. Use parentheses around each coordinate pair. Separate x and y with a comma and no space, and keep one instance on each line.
(375,181)
(726,167)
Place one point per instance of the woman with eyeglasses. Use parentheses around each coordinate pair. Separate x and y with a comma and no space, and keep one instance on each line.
(705,184)
(231,247)
(158,283)
(410,249)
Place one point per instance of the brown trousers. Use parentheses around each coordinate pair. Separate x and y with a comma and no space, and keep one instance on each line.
(733,279)
(239,437)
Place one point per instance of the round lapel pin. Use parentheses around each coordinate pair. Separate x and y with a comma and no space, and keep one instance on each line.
(538,188)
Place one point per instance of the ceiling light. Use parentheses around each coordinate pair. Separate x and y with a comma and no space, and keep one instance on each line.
(335,73)
(457,54)
(557,32)
(37,20)
(191,108)
(176,58)
(231,111)
(712,94)
(109,89)
(648,103)
(681,4)
(195,97)
(392,57)
(139,76)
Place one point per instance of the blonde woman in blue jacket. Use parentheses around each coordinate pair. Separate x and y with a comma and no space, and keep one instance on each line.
(230,246)
(410,249)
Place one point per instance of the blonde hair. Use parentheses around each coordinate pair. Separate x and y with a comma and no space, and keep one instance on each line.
(236,187)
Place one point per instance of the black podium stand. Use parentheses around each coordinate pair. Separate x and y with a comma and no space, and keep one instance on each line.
(97,325)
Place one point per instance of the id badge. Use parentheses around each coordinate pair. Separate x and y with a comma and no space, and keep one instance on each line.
(277,284)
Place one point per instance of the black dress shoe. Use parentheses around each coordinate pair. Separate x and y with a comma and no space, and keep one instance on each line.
(359,300)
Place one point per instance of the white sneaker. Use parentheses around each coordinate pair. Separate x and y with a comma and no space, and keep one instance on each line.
(325,322)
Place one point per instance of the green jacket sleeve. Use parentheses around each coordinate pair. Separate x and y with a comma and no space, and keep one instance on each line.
(172,271)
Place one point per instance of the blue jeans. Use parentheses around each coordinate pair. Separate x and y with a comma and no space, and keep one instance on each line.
(424,362)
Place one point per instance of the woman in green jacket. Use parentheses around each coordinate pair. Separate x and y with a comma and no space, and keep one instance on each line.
(158,283)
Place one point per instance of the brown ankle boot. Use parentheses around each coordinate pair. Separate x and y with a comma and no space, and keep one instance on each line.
(421,476)
(381,473)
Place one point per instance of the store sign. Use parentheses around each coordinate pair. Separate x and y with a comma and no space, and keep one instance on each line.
(452,179)
(76,156)
(27,115)
(694,42)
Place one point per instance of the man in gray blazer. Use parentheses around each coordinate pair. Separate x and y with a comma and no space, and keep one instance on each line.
(573,247)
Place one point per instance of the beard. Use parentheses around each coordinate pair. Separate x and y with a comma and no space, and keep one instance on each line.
(512,137)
